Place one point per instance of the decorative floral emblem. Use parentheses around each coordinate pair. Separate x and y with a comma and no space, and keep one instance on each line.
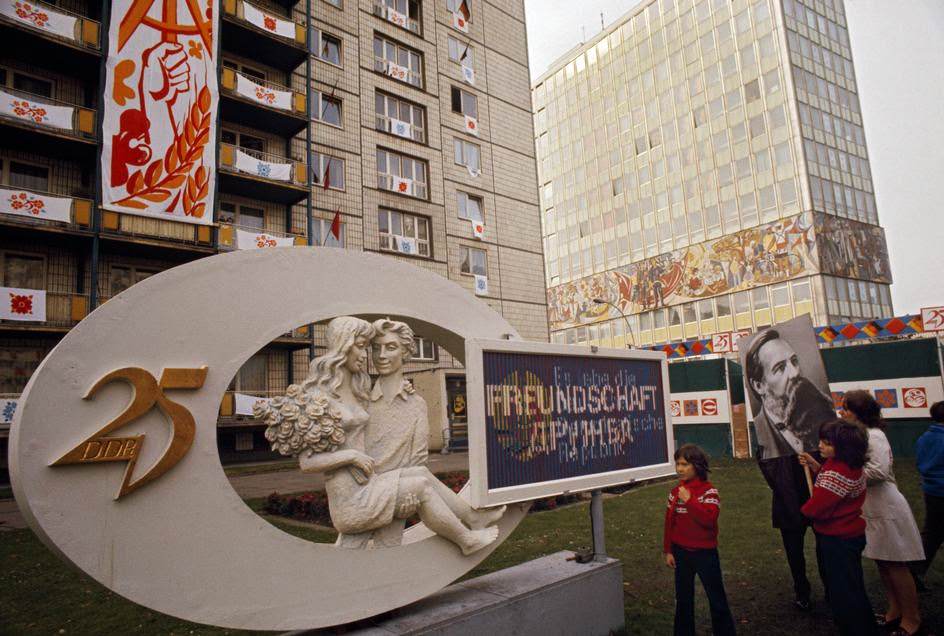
(26,11)
(915,397)
(22,108)
(269,22)
(471,124)
(263,169)
(263,240)
(263,94)
(27,203)
(8,410)
(402,186)
(21,304)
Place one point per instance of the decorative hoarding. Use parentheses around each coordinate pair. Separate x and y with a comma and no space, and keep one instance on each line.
(700,407)
(932,319)
(546,419)
(160,109)
(762,255)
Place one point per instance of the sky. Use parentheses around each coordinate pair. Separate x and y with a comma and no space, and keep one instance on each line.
(898,52)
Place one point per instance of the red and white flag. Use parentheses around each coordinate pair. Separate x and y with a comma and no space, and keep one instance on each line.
(461,17)
(478,229)
(22,304)
(403,186)
(472,125)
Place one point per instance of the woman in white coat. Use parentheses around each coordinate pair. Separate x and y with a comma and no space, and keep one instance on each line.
(891,534)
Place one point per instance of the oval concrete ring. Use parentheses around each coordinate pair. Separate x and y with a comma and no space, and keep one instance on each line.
(186,544)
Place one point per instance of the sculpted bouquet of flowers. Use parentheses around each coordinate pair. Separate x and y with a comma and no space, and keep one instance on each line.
(299,422)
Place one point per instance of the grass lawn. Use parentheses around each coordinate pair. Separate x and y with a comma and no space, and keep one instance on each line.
(42,595)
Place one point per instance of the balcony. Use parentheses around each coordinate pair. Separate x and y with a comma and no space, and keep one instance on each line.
(402,185)
(398,72)
(230,235)
(153,236)
(42,124)
(31,208)
(399,128)
(49,33)
(263,105)
(402,20)
(271,39)
(62,311)
(260,175)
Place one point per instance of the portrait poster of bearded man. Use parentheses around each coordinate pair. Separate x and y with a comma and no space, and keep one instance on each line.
(788,395)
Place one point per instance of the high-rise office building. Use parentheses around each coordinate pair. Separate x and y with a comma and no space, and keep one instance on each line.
(703,169)
(409,119)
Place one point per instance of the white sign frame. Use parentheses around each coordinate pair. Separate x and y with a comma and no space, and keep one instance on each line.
(481,495)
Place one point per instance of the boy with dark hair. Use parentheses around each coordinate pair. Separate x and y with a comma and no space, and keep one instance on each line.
(690,543)
(930,459)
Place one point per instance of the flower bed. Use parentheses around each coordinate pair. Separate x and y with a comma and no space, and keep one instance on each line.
(313,506)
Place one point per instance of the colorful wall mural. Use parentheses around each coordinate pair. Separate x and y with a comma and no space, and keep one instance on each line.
(762,255)
(852,249)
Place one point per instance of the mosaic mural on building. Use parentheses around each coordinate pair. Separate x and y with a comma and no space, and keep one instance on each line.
(762,255)
(852,249)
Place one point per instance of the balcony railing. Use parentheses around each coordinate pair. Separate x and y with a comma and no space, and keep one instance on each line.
(400,128)
(397,72)
(228,235)
(393,16)
(55,22)
(27,205)
(46,113)
(62,310)
(262,165)
(263,92)
(143,229)
(408,187)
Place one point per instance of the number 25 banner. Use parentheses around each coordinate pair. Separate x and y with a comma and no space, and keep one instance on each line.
(161,96)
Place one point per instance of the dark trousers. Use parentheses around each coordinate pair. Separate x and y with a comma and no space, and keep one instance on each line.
(933,534)
(707,566)
(793,539)
(840,562)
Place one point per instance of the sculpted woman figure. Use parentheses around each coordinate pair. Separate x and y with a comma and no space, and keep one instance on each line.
(360,499)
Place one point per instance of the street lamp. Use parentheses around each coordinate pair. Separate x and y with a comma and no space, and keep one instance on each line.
(629,326)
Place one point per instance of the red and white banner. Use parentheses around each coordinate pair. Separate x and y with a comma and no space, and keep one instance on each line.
(265,95)
(268,22)
(161,99)
(35,206)
(459,23)
(472,125)
(36,111)
(933,319)
(478,229)
(403,185)
(900,398)
(261,168)
(22,304)
(40,16)
(398,72)
(261,240)
(700,407)
(398,18)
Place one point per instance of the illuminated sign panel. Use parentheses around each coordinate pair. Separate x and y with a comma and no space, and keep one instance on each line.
(547,419)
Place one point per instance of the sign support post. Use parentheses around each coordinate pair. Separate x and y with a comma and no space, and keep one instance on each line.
(596,525)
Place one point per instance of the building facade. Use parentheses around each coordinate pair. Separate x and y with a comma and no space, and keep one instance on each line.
(407,120)
(703,169)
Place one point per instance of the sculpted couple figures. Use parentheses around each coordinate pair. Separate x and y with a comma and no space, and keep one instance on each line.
(375,478)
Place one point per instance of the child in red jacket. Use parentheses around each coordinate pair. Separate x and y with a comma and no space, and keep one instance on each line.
(835,508)
(690,543)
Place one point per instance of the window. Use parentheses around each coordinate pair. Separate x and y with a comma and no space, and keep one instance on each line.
(326,167)
(398,61)
(336,3)
(473,261)
(243,140)
(121,277)
(425,349)
(760,298)
(742,302)
(322,235)
(29,176)
(781,295)
(461,52)
(408,8)
(31,84)
(400,117)
(467,154)
(248,71)
(401,174)
(244,216)
(325,47)
(400,231)
(326,108)
(23,270)
(243,441)
(470,207)
(465,103)
(752,91)
(252,376)
(801,291)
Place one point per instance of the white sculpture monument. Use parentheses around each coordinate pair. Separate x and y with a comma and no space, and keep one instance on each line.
(127,403)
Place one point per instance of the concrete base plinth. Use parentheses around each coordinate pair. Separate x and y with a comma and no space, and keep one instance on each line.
(545,597)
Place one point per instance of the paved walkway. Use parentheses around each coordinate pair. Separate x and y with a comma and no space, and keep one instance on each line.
(260,485)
